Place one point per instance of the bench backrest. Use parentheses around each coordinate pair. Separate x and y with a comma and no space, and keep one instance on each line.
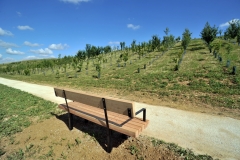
(112,104)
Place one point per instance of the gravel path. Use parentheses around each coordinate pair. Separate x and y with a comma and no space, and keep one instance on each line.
(203,133)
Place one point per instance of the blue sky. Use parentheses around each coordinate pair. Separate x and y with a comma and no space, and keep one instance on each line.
(33,29)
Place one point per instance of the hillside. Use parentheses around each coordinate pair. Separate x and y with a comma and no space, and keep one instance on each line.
(200,82)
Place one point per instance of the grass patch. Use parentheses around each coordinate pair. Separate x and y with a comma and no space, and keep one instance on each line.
(185,153)
(19,109)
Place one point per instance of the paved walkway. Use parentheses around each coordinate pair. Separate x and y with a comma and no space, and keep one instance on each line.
(203,133)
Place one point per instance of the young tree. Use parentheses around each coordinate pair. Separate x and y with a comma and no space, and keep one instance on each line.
(133,45)
(166,31)
(155,41)
(107,49)
(238,37)
(171,39)
(208,34)
(233,28)
(122,45)
(81,55)
(88,50)
(186,38)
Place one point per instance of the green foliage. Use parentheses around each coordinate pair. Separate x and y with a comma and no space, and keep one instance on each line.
(78,141)
(79,66)
(208,34)
(155,42)
(107,49)
(238,37)
(19,155)
(233,29)
(229,48)
(98,67)
(166,31)
(125,57)
(133,149)
(197,48)
(186,38)
(185,153)
(216,46)
(122,45)
(27,72)
(2,152)
(81,55)
(57,74)
(133,45)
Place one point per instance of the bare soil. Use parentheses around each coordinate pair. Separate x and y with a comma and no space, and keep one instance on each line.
(51,139)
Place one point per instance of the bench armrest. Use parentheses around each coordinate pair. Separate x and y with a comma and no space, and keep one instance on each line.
(144,113)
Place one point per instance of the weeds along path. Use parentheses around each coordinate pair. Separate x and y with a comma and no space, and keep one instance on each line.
(204,134)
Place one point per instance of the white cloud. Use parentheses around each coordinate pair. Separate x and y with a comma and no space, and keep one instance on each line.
(6,44)
(10,51)
(5,32)
(58,46)
(227,23)
(113,43)
(19,14)
(24,28)
(0,56)
(7,60)
(134,27)
(74,1)
(41,51)
(31,44)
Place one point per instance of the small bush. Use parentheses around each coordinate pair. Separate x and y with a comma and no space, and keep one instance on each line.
(27,72)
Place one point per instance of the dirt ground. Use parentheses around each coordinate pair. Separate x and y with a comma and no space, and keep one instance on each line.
(51,139)
(205,130)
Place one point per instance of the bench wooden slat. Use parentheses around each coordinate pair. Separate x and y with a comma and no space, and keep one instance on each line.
(113,104)
(125,130)
(119,119)
(99,115)
(111,115)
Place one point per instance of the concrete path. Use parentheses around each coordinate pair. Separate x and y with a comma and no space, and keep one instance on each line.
(203,133)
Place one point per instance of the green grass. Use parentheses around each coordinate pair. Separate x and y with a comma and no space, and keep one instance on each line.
(201,77)
(19,109)
(186,153)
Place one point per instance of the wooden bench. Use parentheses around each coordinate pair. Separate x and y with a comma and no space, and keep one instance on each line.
(114,114)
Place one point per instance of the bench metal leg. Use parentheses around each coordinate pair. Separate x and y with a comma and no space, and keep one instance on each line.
(109,141)
(70,121)
(70,115)
(109,131)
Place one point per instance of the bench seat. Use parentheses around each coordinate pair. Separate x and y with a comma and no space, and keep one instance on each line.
(118,122)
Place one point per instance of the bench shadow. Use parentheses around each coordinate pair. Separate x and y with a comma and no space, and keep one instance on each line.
(94,130)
